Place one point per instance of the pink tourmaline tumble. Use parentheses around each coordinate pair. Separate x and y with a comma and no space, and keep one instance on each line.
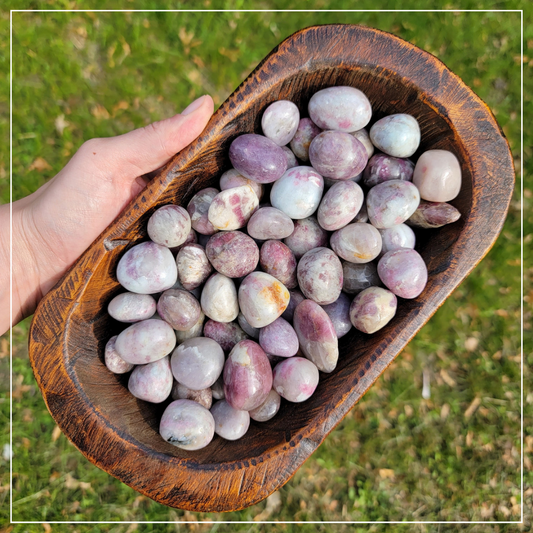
(152,382)
(307,235)
(279,338)
(247,376)
(295,379)
(403,272)
(306,132)
(372,309)
(232,253)
(231,209)
(227,334)
(438,176)
(198,209)
(278,260)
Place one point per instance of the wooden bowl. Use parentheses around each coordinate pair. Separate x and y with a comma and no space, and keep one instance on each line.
(119,433)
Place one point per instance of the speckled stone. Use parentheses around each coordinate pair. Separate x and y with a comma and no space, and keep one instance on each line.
(306,132)
(320,275)
(179,308)
(247,376)
(219,298)
(198,209)
(151,382)
(226,334)
(358,243)
(258,158)
(187,425)
(193,266)
(192,238)
(233,178)
(340,205)
(269,223)
(262,299)
(433,215)
(307,234)
(296,379)
(232,253)
(339,313)
(340,108)
(169,226)
(438,176)
(268,409)
(280,121)
(298,192)
(391,203)
(195,331)
(131,307)
(372,309)
(383,167)
(230,423)
(337,155)
(279,338)
(112,359)
(364,138)
(231,209)
(180,392)
(316,335)
(397,135)
(147,268)
(278,260)
(145,341)
(403,272)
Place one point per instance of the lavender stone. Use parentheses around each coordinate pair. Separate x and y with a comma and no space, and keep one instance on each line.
(113,361)
(279,338)
(339,313)
(295,379)
(357,243)
(316,335)
(217,389)
(383,167)
(247,376)
(306,132)
(372,309)
(197,363)
(364,138)
(195,331)
(337,155)
(198,209)
(169,226)
(397,135)
(187,425)
(147,268)
(269,223)
(280,121)
(268,409)
(226,334)
(230,423)
(403,272)
(131,307)
(340,205)
(340,108)
(391,203)
(179,308)
(151,382)
(232,253)
(257,158)
(296,297)
(320,276)
(291,158)
(278,260)
(298,192)
(307,234)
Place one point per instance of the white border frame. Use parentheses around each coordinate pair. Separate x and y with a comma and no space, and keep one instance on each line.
(521,11)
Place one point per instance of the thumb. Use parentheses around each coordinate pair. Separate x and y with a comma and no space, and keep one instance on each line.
(146,149)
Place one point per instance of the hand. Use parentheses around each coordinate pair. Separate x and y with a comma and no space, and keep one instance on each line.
(53,226)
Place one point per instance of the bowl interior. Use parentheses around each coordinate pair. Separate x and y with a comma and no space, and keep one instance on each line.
(89,327)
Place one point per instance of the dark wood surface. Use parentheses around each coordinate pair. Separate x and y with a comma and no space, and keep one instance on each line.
(119,433)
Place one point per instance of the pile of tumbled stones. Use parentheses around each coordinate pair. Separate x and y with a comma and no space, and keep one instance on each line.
(243,302)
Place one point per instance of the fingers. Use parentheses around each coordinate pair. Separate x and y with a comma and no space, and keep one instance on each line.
(146,149)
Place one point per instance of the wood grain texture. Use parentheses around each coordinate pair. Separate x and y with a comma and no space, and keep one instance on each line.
(119,433)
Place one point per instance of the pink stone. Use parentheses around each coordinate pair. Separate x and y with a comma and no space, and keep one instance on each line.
(231,209)
(151,382)
(307,235)
(268,409)
(357,243)
(179,308)
(433,215)
(198,209)
(339,313)
(403,272)
(226,334)
(232,253)
(278,260)
(193,266)
(230,423)
(219,298)
(280,121)
(306,132)
(372,309)
(180,392)
(247,376)
(279,338)
(438,176)
(340,205)
(269,223)
(295,379)
(113,361)
(233,178)
(296,297)
(131,307)
(169,226)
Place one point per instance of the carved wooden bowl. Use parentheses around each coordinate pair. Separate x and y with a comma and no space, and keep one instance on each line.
(119,433)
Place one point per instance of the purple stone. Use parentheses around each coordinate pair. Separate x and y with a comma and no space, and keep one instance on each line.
(296,298)
(278,260)
(339,313)
(232,253)
(306,132)
(268,409)
(340,205)
(151,382)
(403,272)
(198,209)
(269,223)
(383,167)
(226,334)
(179,308)
(433,215)
(193,266)
(257,158)
(113,361)
(169,226)
(307,235)
(279,338)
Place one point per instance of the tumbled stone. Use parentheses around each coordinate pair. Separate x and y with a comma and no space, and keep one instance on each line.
(306,132)
(231,209)
(339,313)
(230,423)
(307,234)
(151,382)
(316,335)
(291,158)
(296,297)
(340,108)
(403,272)
(217,389)
(112,359)
(340,205)
(279,338)
(131,307)
(198,209)
(280,121)
(179,308)
(262,299)
(193,266)
(383,167)
(226,334)
(278,260)
(358,243)
(187,425)
(195,331)
(396,237)
(233,178)
(180,392)
(268,409)
(359,276)
(219,298)
(295,379)
(397,135)
(391,202)
(372,309)
(232,253)
(169,226)
(247,376)
(364,138)
(249,330)
(269,223)
(433,215)
(438,176)
(320,276)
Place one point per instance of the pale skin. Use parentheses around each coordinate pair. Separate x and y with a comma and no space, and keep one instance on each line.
(53,226)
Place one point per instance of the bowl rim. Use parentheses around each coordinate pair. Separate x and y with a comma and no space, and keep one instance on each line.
(238,486)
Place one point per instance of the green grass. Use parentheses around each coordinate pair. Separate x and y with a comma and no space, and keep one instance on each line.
(396,456)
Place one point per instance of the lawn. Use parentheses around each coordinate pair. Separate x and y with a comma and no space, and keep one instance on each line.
(397,456)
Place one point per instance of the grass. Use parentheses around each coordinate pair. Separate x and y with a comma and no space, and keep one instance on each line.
(396,456)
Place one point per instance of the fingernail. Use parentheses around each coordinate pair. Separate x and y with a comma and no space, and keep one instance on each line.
(193,106)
